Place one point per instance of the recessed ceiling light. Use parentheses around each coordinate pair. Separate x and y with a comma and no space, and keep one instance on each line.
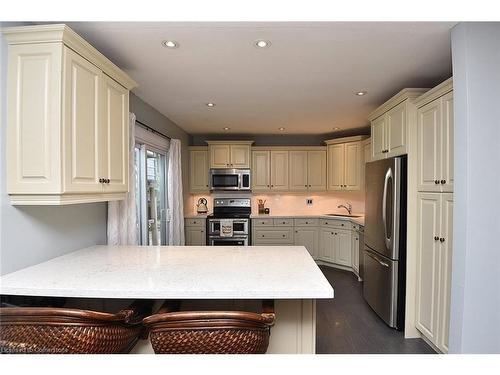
(262,43)
(336,128)
(226,128)
(170,44)
(281,129)
(210,105)
(360,93)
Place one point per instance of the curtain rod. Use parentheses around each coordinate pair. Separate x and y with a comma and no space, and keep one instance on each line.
(149,128)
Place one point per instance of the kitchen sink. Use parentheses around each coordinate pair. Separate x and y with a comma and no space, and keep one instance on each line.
(344,215)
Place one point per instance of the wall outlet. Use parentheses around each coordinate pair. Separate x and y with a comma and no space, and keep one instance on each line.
(309,201)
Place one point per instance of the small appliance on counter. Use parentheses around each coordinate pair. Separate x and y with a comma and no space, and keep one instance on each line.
(201,207)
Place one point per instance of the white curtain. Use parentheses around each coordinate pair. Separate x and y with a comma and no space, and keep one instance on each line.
(122,219)
(174,195)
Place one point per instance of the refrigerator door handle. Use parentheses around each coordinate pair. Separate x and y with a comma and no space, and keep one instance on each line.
(378,260)
(388,175)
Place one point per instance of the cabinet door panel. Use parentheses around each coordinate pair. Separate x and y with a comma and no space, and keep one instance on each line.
(307,237)
(428,264)
(220,156)
(447,142)
(429,146)
(336,167)
(240,156)
(316,170)
(378,138)
(82,117)
(195,237)
(198,170)
(396,130)
(445,271)
(114,133)
(342,242)
(327,246)
(298,170)
(279,170)
(261,173)
(367,148)
(352,166)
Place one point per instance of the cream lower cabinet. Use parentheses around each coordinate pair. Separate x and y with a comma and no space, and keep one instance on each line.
(307,237)
(67,119)
(198,169)
(435,142)
(435,216)
(195,232)
(335,246)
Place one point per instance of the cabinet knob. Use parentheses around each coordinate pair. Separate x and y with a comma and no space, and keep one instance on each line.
(309,185)
(436,182)
(342,224)
(283,235)
(262,235)
(108,181)
(441,240)
(296,231)
(101,180)
(443,182)
(284,222)
(331,232)
(307,222)
(272,186)
(335,233)
(305,185)
(436,238)
(356,239)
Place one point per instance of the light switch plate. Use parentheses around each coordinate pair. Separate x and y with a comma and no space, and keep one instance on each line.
(309,201)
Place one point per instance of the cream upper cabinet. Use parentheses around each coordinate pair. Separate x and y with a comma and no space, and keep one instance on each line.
(261,173)
(345,163)
(435,215)
(229,154)
(316,170)
(367,150)
(115,136)
(378,138)
(435,139)
(279,170)
(298,170)
(396,130)
(390,122)
(336,156)
(220,156)
(67,119)
(198,169)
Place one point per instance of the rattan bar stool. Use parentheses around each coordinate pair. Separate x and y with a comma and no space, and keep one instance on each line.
(210,332)
(48,330)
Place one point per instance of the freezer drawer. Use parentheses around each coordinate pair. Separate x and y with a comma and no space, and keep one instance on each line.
(380,276)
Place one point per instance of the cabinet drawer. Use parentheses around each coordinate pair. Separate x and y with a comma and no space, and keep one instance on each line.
(274,236)
(283,222)
(306,222)
(195,222)
(342,224)
(262,222)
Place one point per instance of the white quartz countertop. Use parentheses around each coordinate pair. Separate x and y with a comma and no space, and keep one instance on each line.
(174,272)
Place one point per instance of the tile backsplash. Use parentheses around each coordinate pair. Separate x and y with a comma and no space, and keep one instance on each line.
(295,203)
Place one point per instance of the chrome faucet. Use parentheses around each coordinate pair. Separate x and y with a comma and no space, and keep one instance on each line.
(348,207)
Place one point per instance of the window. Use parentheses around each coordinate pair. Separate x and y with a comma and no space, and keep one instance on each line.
(151,185)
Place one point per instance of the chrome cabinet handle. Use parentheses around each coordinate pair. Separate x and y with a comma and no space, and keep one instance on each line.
(101,180)
(436,238)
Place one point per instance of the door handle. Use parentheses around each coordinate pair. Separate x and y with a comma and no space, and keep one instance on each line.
(388,240)
(378,260)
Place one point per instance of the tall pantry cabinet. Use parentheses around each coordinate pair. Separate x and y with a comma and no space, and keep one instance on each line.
(67,119)
(435,213)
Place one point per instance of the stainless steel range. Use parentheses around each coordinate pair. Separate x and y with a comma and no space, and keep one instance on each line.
(235,212)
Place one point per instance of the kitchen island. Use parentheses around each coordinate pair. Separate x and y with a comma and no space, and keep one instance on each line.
(286,274)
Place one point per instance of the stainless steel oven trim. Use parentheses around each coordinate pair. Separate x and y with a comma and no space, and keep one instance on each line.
(245,239)
(212,232)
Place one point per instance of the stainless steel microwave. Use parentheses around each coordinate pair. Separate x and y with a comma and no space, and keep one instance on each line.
(230,179)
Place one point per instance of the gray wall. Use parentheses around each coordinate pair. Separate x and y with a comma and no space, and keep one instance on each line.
(154,119)
(475,298)
(30,235)
(279,139)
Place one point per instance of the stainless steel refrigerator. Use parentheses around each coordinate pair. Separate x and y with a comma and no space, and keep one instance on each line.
(384,256)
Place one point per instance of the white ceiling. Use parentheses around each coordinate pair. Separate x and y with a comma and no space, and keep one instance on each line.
(304,82)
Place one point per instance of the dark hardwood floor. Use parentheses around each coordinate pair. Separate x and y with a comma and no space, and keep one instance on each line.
(347,325)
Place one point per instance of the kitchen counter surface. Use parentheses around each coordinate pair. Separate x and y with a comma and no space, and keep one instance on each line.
(174,272)
(357,220)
